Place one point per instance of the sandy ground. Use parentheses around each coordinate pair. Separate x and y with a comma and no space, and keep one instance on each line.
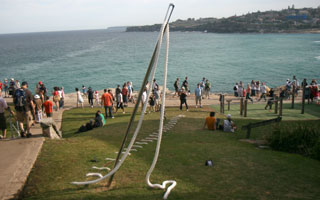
(18,155)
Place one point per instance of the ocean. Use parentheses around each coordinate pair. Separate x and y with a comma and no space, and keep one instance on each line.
(102,59)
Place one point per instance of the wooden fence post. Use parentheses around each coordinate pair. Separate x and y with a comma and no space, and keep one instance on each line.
(293,92)
(280,109)
(241,106)
(229,101)
(303,95)
(245,107)
(276,105)
(223,103)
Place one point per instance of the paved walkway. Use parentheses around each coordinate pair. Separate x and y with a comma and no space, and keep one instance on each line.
(18,157)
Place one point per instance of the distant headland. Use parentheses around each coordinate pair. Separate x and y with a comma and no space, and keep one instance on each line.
(290,20)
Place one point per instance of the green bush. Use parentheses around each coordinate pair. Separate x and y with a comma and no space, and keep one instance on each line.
(301,138)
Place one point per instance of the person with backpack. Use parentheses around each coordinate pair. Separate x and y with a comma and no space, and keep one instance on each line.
(24,106)
(56,97)
(176,87)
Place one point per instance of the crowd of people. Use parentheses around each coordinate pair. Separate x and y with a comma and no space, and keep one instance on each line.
(32,108)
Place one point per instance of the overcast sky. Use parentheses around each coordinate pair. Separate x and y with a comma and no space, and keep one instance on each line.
(53,15)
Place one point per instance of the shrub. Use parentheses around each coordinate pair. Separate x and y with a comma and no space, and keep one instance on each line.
(301,138)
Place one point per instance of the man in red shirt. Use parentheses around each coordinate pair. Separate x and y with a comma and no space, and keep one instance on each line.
(48,107)
(106,100)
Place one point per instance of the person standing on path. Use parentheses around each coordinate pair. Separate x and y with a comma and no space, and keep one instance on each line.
(119,99)
(207,89)
(6,87)
(183,98)
(202,85)
(79,98)
(236,90)
(23,101)
(106,101)
(144,98)
(124,93)
(198,95)
(248,91)
(3,124)
(56,97)
(253,88)
(48,107)
(240,89)
(263,90)
(90,96)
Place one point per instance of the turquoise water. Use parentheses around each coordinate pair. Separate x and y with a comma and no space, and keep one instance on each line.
(103,59)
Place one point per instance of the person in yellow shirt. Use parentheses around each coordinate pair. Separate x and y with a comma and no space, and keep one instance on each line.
(210,122)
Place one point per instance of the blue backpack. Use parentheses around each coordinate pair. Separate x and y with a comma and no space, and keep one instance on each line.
(20,100)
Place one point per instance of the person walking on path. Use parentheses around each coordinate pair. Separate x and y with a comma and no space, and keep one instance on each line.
(198,95)
(157,97)
(119,99)
(97,98)
(263,90)
(248,93)
(3,123)
(176,87)
(106,101)
(257,88)
(183,98)
(124,94)
(62,96)
(144,98)
(207,89)
(79,98)
(56,97)
(23,101)
(90,96)
(38,105)
(253,88)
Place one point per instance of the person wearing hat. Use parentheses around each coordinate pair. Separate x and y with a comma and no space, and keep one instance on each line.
(23,101)
(38,105)
(183,98)
(228,125)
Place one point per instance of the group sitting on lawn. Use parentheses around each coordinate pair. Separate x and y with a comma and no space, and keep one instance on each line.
(212,123)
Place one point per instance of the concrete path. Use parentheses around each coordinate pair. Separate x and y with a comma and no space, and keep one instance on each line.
(18,156)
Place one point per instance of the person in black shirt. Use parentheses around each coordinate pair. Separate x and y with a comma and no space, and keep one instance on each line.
(185,84)
(270,100)
(90,96)
(183,98)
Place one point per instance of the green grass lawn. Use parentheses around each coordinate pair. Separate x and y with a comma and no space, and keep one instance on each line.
(240,171)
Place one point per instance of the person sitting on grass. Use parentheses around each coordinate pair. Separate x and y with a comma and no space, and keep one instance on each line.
(210,122)
(99,121)
(228,125)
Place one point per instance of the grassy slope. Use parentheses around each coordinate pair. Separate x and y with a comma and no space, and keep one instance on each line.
(241,171)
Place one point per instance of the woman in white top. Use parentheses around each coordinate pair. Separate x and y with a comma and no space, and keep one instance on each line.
(119,98)
(79,98)
(143,98)
(97,99)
